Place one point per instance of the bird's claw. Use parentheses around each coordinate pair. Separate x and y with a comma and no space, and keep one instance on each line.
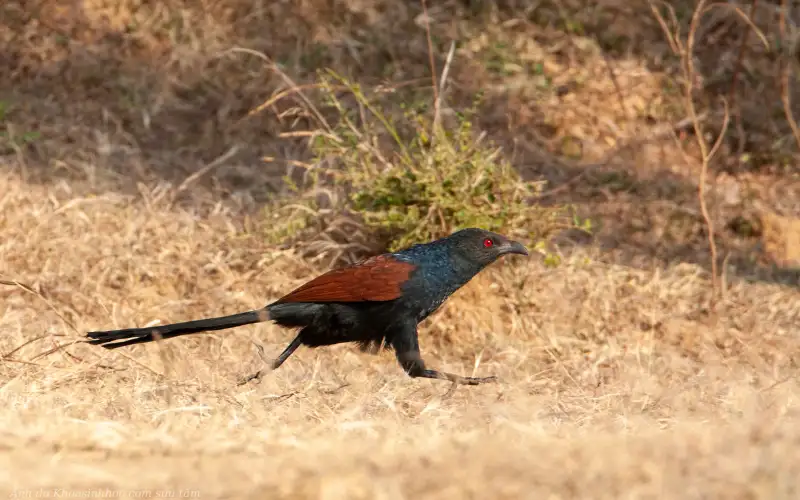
(255,376)
(479,380)
(260,373)
(456,381)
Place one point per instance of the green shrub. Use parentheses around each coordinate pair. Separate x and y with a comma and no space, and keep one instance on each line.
(397,183)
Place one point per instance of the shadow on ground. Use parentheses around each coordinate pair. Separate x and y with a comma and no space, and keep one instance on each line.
(121,96)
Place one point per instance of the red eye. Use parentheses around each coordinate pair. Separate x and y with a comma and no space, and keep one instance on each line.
(488,242)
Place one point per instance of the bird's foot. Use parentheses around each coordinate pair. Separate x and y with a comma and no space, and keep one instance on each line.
(260,373)
(452,377)
(255,376)
(476,380)
(459,380)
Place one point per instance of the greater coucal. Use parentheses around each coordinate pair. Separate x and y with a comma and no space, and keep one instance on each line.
(376,302)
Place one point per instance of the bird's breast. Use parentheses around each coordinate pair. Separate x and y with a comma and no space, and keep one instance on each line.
(430,308)
(431,296)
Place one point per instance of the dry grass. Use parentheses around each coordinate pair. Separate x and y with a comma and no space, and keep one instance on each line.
(615,381)
(611,381)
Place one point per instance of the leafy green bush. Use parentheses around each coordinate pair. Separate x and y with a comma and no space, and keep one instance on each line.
(403,181)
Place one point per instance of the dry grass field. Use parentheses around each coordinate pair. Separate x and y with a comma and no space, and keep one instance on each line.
(131,184)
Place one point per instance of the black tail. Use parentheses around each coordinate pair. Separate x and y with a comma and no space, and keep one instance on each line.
(130,336)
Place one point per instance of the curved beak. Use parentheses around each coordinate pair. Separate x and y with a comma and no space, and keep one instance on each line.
(515,247)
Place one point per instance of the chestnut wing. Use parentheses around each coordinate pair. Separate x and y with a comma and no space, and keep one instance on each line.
(375,279)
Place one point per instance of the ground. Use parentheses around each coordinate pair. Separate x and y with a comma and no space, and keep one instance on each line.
(131,188)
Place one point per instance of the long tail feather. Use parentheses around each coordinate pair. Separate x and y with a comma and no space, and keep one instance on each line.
(129,336)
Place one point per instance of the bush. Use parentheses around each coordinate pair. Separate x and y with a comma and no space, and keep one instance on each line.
(391,183)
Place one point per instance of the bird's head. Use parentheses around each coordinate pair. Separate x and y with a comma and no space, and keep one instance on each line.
(483,247)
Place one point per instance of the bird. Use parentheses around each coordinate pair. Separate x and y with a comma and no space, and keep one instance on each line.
(375,303)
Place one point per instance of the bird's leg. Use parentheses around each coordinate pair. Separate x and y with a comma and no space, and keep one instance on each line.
(405,341)
(274,364)
(413,364)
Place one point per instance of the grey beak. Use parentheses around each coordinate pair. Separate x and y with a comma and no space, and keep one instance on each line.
(515,247)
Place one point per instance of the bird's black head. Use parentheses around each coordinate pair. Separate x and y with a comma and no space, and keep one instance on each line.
(483,247)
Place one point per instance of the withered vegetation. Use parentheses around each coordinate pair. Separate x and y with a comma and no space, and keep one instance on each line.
(163,161)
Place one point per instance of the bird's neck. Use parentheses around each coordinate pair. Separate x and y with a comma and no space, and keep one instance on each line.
(464,268)
(442,266)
